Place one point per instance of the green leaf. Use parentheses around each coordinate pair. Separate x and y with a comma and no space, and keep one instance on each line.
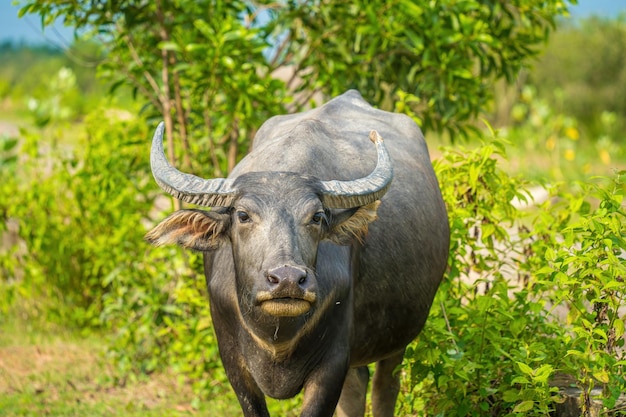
(511,395)
(192,47)
(525,368)
(520,380)
(550,255)
(544,270)
(601,375)
(169,46)
(524,406)
(618,325)
(543,373)
(611,285)
(228,62)
(487,230)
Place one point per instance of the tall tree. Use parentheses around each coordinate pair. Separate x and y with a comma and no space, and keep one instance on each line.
(432,59)
(208,67)
(198,65)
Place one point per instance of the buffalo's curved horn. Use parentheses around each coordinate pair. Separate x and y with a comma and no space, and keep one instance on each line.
(362,191)
(218,192)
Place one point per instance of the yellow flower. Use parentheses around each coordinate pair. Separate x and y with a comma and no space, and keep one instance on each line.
(551,143)
(605,157)
(570,154)
(572,133)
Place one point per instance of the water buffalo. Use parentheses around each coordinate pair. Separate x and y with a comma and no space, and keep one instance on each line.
(302,294)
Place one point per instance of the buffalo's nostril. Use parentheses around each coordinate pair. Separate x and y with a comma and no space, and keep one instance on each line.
(287,273)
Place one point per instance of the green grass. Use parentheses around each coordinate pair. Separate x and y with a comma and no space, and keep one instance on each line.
(47,370)
(53,372)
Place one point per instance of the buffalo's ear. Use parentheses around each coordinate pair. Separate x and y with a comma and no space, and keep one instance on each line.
(351,225)
(192,229)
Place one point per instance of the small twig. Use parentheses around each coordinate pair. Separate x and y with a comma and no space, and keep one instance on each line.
(445,318)
(71,384)
(139,62)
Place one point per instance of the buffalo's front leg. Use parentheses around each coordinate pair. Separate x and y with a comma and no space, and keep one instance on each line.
(354,392)
(323,388)
(250,397)
(251,405)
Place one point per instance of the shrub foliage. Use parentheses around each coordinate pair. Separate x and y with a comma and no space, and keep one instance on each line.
(79,209)
(529,295)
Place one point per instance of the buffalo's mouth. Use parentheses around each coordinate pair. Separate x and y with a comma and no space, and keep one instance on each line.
(285,306)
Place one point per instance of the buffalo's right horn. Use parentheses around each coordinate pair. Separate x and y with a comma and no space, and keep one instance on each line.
(218,192)
(361,191)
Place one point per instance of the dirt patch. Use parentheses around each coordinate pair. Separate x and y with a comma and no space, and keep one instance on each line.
(48,373)
(9,129)
(33,367)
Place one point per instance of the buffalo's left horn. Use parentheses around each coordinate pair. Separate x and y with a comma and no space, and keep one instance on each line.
(218,192)
(362,191)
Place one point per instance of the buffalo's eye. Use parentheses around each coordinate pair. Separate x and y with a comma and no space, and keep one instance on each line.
(318,218)
(243,217)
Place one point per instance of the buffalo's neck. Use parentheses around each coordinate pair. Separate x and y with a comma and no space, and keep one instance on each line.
(280,368)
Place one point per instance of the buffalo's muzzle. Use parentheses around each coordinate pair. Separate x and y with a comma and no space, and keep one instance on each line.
(290,294)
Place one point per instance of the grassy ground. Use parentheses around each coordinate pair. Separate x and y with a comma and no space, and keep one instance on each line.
(52,372)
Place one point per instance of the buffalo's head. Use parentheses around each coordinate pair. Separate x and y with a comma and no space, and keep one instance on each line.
(274,222)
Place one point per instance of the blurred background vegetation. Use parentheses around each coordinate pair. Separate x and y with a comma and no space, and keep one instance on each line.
(524,111)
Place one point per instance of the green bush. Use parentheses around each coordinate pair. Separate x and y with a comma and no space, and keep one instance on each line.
(158,312)
(82,206)
(79,208)
(8,247)
(581,266)
(494,340)
(488,348)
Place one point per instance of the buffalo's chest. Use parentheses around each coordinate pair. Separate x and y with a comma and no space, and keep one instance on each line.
(281,370)
(276,377)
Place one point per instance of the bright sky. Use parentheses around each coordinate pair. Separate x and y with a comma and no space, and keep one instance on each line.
(28,28)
